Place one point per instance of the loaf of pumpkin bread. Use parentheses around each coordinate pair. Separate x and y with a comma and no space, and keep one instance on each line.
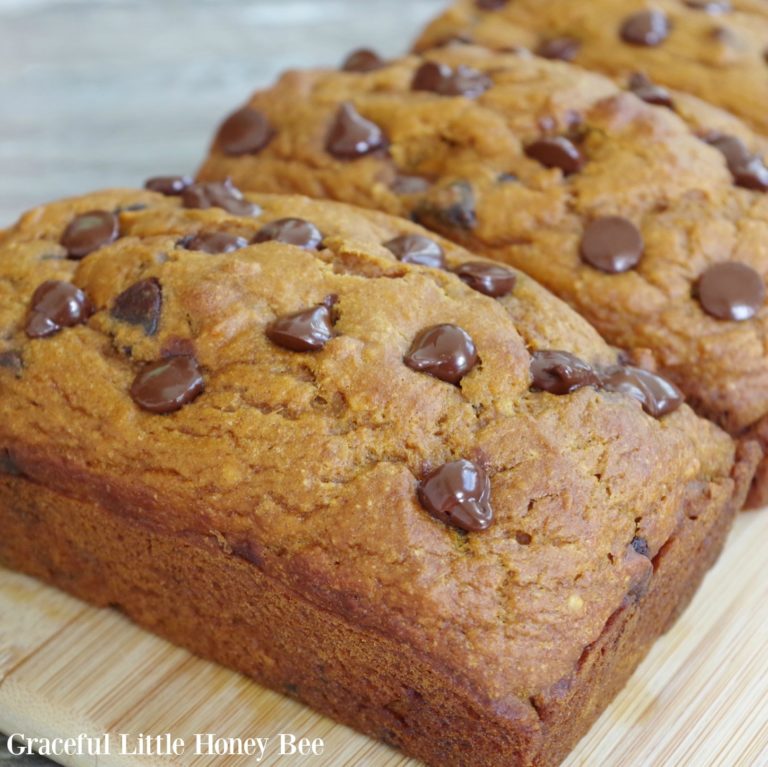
(348,458)
(714,49)
(653,227)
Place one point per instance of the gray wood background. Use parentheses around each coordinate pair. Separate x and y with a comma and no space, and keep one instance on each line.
(97,93)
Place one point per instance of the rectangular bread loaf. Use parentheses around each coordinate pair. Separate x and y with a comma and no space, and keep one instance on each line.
(429,502)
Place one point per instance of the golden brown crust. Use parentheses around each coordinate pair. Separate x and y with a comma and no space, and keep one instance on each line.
(642,162)
(195,590)
(306,464)
(719,57)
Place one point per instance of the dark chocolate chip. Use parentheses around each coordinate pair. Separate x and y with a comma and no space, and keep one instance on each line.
(167,385)
(56,305)
(447,81)
(657,395)
(640,545)
(11,360)
(648,28)
(490,5)
(292,231)
(417,249)
(612,244)
(748,170)
(246,131)
(451,206)
(214,242)
(458,494)
(141,304)
(363,60)
(90,231)
(710,6)
(559,48)
(7,465)
(490,279)
(732,148)
(731,291)
(649,92)
(446,352)
(556,152)
(219,194)
(170,186)
(352,136)
(523,538)
(306,331)
(410,185)
(559,372)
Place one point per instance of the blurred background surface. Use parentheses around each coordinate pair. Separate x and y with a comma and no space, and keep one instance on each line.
(98,93)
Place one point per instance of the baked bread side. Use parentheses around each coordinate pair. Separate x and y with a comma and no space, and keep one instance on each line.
(228,417)
(713,49)
(652,230)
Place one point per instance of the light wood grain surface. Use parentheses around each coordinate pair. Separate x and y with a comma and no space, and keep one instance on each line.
(101,93)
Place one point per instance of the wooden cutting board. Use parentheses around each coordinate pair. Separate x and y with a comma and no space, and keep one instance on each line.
(699,700)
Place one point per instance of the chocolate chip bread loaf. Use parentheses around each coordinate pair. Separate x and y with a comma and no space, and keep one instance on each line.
(429,502)
(714,49)
(654,231)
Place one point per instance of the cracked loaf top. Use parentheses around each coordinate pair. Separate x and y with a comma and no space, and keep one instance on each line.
(715,49)
(449,455)
(653,228)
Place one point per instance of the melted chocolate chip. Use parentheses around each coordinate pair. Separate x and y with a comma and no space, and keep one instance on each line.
(410,185)
(417,249)
(490,5)
(214,242)
(7,465)
(56,305)
(446,81)
(731,291)
(167,385)
(246,131)
(141,305)
(648,28)
(657,395)
(559,48)
(612,244)
(458,494)
(363,60)
(748,170)
(556,152)
(89,232)
(451,206)
(649,92)
(170,186)
(446,352)
(219,194)
(640,545)
(490,279)
(710,6)
(306,331)
(292,231)
(11,360)
(352,136)
(559,372)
